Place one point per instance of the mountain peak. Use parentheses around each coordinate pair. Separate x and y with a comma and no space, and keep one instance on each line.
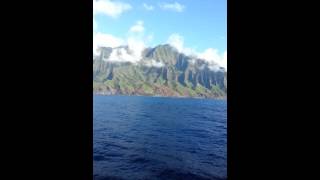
(161,70)
(167,47)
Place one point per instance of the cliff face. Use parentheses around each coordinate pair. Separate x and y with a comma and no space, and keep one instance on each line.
(162,71)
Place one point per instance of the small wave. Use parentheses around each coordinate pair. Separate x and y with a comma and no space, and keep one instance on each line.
(108,145)
(98,158)
(96,177)
(178,175)
(113,154)
(140,160)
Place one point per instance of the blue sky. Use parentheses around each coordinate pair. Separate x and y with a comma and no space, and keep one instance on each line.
(200,25)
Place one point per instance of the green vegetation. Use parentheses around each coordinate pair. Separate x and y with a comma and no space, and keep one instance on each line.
(177,78)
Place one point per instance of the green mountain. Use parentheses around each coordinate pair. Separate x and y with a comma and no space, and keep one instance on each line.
(162,71)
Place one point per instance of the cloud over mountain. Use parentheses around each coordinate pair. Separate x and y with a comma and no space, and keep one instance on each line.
(211,55)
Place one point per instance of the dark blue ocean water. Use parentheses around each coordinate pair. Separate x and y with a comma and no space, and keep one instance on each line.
(159,138)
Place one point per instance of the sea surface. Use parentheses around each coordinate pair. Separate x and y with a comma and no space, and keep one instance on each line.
(137,137)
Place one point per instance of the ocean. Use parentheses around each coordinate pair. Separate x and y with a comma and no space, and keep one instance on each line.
(138,137)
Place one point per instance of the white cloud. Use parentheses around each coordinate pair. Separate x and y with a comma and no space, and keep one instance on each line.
(121,55)
(214,67)
(105,40)
(138,27)
(133,54)
(192,60)
(224,60)
(176,41)
(108,40)
(210,55)
(172,6)
(214,59)
(148,7)
(189,51)
(135,42)
(153,63)
(136,45)
(110,8)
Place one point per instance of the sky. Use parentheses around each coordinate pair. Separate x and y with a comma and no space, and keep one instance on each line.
(193,27)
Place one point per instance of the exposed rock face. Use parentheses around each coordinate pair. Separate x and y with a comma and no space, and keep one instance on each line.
(162,71)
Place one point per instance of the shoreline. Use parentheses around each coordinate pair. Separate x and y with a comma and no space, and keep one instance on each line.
(161,96)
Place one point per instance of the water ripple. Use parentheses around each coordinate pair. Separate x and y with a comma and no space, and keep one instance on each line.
(159,138)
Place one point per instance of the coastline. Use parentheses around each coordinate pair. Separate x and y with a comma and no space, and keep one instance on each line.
(160,96)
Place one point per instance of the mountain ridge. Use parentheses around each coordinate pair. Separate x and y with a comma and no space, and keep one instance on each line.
(158,71)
